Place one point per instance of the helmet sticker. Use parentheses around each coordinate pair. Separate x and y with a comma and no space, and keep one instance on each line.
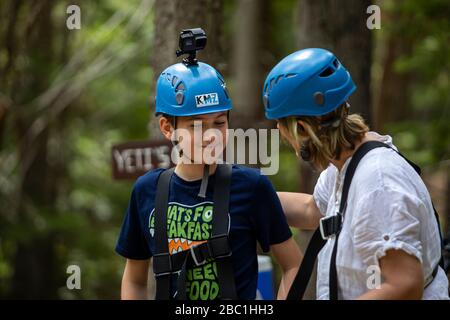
(207,99)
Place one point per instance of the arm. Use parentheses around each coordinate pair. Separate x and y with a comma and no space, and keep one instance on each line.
(300,209)
(134,280)
(403,278)
(289,257)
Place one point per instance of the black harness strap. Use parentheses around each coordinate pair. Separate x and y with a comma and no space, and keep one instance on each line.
(301,280)
(221,223)
(317,241)
(162,261)
(216,248)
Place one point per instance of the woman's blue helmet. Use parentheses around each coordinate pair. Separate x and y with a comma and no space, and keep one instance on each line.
(186,90)
(309,82)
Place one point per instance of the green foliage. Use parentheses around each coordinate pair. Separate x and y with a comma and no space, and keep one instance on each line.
(425,133)
(109,63)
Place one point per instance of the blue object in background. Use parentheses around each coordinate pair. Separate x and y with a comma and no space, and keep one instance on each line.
(265,279)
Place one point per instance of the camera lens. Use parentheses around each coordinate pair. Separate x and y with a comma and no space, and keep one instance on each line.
(200,42)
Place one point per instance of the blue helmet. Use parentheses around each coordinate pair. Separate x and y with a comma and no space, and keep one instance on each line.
(309,82)
(186,90)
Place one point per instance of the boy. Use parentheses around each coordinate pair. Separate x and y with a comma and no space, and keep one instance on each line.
(193,97)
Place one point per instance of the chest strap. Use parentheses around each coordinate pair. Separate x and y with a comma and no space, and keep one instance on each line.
(216,248)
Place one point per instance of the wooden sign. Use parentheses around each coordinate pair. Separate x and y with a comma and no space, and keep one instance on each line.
(132,159)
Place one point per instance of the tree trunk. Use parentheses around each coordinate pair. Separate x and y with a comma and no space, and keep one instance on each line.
(249,37)
(393,96)
(340,26)
(35,265)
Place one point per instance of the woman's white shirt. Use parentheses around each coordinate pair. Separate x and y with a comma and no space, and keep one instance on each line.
(388,207)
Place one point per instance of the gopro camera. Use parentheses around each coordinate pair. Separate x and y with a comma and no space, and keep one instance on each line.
(191,41)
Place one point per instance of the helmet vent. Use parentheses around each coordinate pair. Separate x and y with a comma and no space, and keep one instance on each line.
(272,82)
(327,72)
(278,79)
(174,81)
(179,97)
(336,63)
(219,75)
(266,101)
(291,75)
(180,86)
(226,92)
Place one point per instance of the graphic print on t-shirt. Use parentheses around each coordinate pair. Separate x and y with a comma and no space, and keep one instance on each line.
(188,226)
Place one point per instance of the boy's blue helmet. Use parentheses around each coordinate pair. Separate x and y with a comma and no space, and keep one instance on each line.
(309,82)
(186,90)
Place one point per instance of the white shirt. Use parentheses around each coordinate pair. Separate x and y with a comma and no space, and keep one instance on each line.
(388,207)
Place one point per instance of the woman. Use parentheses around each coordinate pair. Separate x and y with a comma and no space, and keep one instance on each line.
(388,224)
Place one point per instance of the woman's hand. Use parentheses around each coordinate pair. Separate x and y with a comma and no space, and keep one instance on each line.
(300,209)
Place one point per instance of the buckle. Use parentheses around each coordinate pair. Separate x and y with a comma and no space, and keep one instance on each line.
(219,246)
(329,226)
(216,247)
(162,264)
(197,261)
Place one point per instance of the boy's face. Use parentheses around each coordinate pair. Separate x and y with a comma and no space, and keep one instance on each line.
(202,138)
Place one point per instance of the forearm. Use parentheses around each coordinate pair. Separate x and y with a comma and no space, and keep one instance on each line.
(388,291)
(300,210)
(403,278)
(134,291)
(289,257)
(134,280)
(286,281)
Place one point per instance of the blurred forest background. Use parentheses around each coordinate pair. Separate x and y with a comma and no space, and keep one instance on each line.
(67,96)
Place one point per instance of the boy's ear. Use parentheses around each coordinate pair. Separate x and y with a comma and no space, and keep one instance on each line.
(166,127)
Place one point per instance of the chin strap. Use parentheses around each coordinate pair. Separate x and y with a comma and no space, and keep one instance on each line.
(204,185)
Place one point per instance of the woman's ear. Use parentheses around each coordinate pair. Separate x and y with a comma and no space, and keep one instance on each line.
(166,127)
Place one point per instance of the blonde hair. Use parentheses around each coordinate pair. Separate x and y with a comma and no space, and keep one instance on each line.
(325,137)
